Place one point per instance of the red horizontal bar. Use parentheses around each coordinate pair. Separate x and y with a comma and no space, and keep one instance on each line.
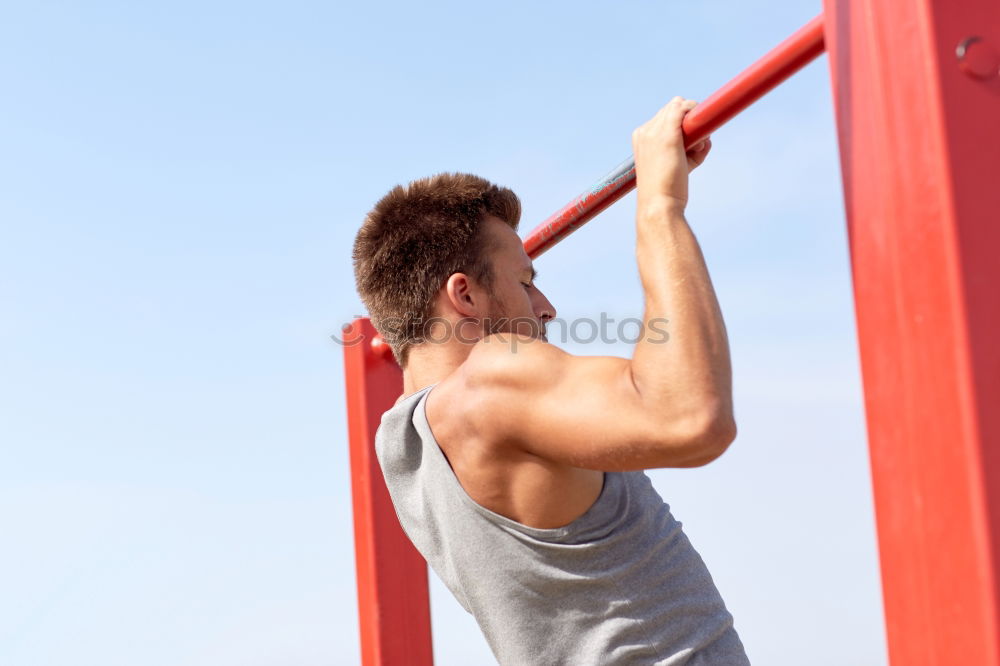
(804,46)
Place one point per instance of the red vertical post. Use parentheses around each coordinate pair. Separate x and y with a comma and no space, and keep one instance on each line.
(393,602)
(917,93)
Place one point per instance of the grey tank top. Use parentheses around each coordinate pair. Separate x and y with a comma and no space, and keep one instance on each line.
(621,584)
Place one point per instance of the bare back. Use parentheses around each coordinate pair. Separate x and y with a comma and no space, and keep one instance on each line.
(507,480)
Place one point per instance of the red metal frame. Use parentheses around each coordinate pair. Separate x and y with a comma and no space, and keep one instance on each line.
(393,602)
(788,57)
(920,153)
(917,92)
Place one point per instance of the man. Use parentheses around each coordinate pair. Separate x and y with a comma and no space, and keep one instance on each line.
(514,467)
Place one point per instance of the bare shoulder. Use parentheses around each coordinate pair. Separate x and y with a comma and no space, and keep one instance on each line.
(516,397)
(491,382)
(475,414)
(510,359)
(512,388)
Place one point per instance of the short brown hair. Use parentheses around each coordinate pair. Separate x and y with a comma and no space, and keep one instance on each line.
(415,238)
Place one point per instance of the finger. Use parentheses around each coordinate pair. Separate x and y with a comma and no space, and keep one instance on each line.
(673,105)
(680,104)
(696,158)
(678,108)
(704,144)
(687,107)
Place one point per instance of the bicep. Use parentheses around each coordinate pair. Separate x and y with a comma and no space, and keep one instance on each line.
(583,411)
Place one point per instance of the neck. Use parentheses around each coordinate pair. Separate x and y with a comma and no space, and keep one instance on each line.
(430,363)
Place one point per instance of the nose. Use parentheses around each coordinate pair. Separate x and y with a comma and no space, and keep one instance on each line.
(544,309)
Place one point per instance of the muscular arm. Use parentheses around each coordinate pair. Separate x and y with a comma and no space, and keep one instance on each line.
(670,405)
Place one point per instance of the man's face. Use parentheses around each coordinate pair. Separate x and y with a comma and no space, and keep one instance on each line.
(519,305)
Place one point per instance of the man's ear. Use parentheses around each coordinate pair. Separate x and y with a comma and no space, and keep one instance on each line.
(462,294)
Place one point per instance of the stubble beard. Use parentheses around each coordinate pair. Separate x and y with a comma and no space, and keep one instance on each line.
(499,322)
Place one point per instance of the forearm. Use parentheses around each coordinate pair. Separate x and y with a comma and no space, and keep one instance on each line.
(685,371)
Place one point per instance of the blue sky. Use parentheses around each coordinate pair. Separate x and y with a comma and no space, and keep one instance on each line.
(180,184)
